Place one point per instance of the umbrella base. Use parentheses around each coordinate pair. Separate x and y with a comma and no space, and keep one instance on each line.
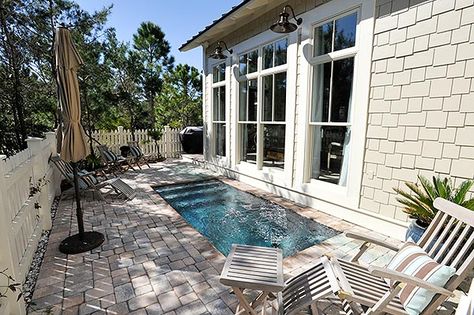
(74,245)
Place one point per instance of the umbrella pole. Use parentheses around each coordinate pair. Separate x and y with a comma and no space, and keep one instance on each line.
(83,241)
(80,220)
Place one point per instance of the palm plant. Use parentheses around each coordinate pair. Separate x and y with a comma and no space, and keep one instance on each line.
(419,202)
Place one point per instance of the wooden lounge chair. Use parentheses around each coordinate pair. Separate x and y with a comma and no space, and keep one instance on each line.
(466,303)
(137,153)
(112,161)
(88,182)
(449,241)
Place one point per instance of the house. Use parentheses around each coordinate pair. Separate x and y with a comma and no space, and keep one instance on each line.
(363,96)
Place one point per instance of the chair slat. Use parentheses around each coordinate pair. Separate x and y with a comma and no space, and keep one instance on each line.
(308,275)
(456,247)
(430,230)
(441,238)
(308,288)
(446,246)
(467,247)
(368,284)
(434,231)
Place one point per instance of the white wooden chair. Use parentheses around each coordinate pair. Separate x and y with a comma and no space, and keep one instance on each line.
(88,182)
(466,303)
(449,240)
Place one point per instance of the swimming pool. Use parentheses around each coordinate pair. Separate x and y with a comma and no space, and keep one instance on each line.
(226,216)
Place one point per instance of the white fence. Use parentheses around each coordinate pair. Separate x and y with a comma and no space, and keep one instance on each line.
(168,146)
(24,214)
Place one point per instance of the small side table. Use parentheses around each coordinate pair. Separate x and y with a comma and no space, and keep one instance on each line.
(253,267)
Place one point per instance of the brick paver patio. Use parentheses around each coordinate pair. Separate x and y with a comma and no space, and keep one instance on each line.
(152,261)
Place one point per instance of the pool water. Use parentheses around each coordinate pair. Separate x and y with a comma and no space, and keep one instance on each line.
(226,216)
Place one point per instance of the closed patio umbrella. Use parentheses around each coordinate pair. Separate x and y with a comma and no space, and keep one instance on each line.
(74,147)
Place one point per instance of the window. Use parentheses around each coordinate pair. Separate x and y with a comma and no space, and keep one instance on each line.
(330,123)
(273,117)
(218,73)
(263,125)
(248,62)
(219,109)
(248,120)
(274,54)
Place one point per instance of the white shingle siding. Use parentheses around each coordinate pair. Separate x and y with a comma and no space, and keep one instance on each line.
(421,109)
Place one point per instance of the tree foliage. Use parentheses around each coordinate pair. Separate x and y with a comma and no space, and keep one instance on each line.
(179,103)
(153,51)
(27,70)
(119,83)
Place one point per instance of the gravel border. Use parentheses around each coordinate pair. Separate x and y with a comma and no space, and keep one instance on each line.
(33,273)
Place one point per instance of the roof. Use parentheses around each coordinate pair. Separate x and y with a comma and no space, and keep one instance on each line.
(238,15)
(215,22)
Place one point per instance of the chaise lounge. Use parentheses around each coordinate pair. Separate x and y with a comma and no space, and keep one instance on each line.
(88,182)
(419,278)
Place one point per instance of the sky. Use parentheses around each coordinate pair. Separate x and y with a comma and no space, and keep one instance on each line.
(178,19)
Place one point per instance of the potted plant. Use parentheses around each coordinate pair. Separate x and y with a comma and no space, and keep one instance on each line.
(418,203)
(156,135)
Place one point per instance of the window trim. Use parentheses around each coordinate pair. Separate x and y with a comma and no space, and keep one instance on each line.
(348,195)
(213,85)
(248,169)
(346,53)
(258,75)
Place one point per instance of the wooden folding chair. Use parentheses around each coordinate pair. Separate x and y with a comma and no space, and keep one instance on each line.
(112,161)
(466,303)
(449,240)
(138,155)
(88,182)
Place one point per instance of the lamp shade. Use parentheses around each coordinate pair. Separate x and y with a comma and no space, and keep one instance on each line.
(283,25)
(218,54)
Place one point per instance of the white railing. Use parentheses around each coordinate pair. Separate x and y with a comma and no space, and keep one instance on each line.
(168,146)
(24,214)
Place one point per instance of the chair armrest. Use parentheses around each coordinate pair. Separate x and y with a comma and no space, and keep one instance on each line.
(372,240)
(86,173)
(403,278)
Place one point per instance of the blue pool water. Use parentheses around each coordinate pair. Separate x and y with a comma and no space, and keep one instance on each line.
(226,216)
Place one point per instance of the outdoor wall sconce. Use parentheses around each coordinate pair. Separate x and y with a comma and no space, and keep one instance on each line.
(283,25)
(218,54)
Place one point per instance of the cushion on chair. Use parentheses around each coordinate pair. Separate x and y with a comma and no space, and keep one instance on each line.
(90,178)
(413,260)
(136,151)
(110,156)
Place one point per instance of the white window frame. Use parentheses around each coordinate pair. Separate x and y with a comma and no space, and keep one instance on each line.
(348,195)
(257,170)
(314,61)
(212,139)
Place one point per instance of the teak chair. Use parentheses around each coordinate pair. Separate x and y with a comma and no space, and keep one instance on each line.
(88,182)
(138,155)
(466,303)
(449,240)
(112,161)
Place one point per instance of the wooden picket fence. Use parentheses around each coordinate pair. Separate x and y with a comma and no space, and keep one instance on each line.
(168,146)
(24,214)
